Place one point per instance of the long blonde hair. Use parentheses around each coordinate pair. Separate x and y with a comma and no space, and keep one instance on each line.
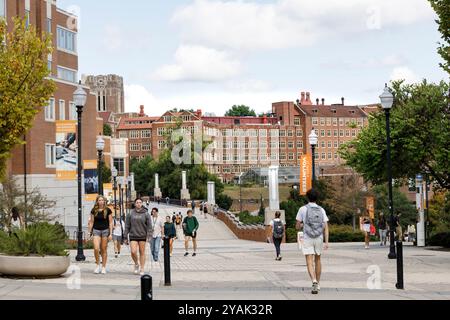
(97,207)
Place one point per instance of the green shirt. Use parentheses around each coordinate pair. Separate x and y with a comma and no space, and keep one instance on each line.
(191,225)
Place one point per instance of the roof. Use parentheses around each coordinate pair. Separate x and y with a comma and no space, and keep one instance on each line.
(340,111)
(136,123)
(242,120)
(105,116)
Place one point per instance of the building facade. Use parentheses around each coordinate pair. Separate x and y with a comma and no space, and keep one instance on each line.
(35,163)
(238,144)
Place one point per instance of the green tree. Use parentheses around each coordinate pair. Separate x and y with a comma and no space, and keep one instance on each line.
(142,175)
(106,173)
(23,85)
(420,123)
(107,131)
(440,212)
(442,8)
(240,111)
(224,202)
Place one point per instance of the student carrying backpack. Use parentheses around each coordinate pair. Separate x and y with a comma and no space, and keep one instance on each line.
(277,234)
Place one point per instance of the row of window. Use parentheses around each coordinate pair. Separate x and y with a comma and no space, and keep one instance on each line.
(2,8)
(173,119)
(139,147)
(330,144)
(261,144)
(261,133)
(50,110)
(337,133)
(326,156)
(335,121)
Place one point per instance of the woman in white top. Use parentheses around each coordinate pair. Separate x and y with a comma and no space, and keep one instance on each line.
(16,222)
(118,230)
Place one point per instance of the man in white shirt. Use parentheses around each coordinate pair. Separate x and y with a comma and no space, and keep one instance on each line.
(314,221)
(158,234)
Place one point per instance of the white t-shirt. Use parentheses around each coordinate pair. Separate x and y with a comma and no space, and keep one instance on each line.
(302,213)
(158,226)
(117,231)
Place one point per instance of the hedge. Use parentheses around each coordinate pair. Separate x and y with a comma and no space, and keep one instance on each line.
(338,233)
(441,240)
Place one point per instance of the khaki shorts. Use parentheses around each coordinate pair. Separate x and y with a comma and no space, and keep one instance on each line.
(313,246)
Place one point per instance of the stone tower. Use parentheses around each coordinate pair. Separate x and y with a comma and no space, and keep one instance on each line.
(109,92)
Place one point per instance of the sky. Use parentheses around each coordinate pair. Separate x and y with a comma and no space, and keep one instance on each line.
(212,54)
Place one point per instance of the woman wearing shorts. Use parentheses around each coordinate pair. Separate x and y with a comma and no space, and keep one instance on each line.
(366,229)
(138,230)
(100,226)
(119,228)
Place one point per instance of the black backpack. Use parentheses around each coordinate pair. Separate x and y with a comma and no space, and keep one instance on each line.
(278,229)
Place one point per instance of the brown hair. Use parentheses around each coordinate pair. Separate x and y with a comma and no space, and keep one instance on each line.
(96,208)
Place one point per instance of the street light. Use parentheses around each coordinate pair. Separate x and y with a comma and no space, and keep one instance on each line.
(79,98)
(313,140)
(387,100)
(100,145)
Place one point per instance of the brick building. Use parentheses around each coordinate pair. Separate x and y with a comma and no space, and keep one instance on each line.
(40,149)
(239,144)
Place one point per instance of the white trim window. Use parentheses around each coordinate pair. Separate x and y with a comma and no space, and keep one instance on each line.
(50,110)
(2,8)
(146,147)
(67,74)
(62,110)
(146,133)
(50,155)
(135,147)
(134,134)
(123,134)
(72,111)
(66,40)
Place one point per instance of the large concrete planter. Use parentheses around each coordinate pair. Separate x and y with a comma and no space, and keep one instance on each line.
(33,266)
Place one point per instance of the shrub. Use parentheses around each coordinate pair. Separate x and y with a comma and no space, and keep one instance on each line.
(441,240)
(73,245)
(246,218)
(40,239)
(345,233)
(291,235)
(224,201)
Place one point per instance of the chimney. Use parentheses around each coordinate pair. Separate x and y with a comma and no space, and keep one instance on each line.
(343,100)
(265,119)
(141,113)
(199,113)
(323,101)
(308,98)
(317,101)
(302,101)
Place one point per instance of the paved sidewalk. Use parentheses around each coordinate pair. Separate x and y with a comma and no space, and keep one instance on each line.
(228,268)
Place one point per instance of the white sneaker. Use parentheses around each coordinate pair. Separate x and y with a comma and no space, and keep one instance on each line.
(97,270)
(136,269)
(142,273)
(103,270)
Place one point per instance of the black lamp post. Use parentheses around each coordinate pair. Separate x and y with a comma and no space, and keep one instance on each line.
(387,100)
(79,98)
(313,140)
(114,175)
(100,144)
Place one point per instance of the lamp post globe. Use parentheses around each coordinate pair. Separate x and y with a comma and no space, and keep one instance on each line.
(387,99)
(79,99)
(313,141)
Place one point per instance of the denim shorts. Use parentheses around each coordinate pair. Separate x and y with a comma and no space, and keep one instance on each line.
(117,238)
(101,233)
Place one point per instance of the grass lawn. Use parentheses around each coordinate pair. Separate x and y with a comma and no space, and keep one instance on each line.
(255,192)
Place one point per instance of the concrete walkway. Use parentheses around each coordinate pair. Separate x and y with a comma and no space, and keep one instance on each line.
(228,268)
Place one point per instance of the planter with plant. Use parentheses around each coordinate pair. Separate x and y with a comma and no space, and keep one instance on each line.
(38,251)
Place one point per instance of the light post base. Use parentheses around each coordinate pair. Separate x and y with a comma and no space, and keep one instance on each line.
(392,256)
(80,257)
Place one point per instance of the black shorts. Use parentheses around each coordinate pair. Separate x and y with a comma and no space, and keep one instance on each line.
(190,235)
(139,240)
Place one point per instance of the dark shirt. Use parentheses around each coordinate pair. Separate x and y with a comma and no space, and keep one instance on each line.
(382,224)
(169,230)
(100,221)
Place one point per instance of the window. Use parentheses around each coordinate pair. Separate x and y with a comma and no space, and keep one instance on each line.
(161,144)
(263,133)
(282,133)
(347,133)
(353,133)
(335,121)
(341,133)
(300,144)
(235,145)
(67,74)
(336,133)
(274,133)
(322,121)
(296,121)
(254,144)
(263,157)
(290,133)
(2,8)
(123,134)
(336,144)
(282,144)
(291,156)
(322,133)
(324,156)
(119,164)
(66,39)
(263,144)
(274,145)
(167,119)
(186,118)
(49,63)
(282,156)
(299,133)
(328,121)
(252,133)
(299,155)
(328,133)
(135,147)
(335,155)
(330,144)
(27,17)
(134,134)
(72,111)
(322,144)
(146,133)
(316,156)
(62,110)
(341,122)
(50,110)
(160,131)
(50,155)
(290,144)
(49,25)
(315,121)
(330,156)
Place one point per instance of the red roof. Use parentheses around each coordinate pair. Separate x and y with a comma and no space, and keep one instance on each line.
(242,120)
(105,116)
(136,123)
(337,110)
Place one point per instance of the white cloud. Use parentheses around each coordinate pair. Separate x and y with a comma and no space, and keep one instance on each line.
(137,95)
(289,23)
(387,61)
(113,39)
(197,63)
(404,73)
(250,85)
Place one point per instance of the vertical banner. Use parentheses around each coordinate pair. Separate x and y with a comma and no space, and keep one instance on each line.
(66,150)
(305,174)
(90,180)
(370,206)
(108,191)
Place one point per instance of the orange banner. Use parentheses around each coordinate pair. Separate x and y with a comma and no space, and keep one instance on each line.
(370,205)
(305,174)
(66,150)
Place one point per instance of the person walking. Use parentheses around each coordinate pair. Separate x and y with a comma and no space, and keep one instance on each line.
(118,231)
(138,229)
(398,227)
(193,206)
(205,210)
(158,234)
(101,228)
(382,227)
(170,232)
(178,227)
(314,221)
(366,229)
(15,222)
(277,229)
(190,227)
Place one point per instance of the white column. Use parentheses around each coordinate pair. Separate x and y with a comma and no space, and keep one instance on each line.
(420,228)
(157,191)
(156,181)
(273,188)
(183,180)
(211,193)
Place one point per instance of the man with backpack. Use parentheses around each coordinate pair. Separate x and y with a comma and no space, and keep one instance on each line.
(314,221)
(277,226)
